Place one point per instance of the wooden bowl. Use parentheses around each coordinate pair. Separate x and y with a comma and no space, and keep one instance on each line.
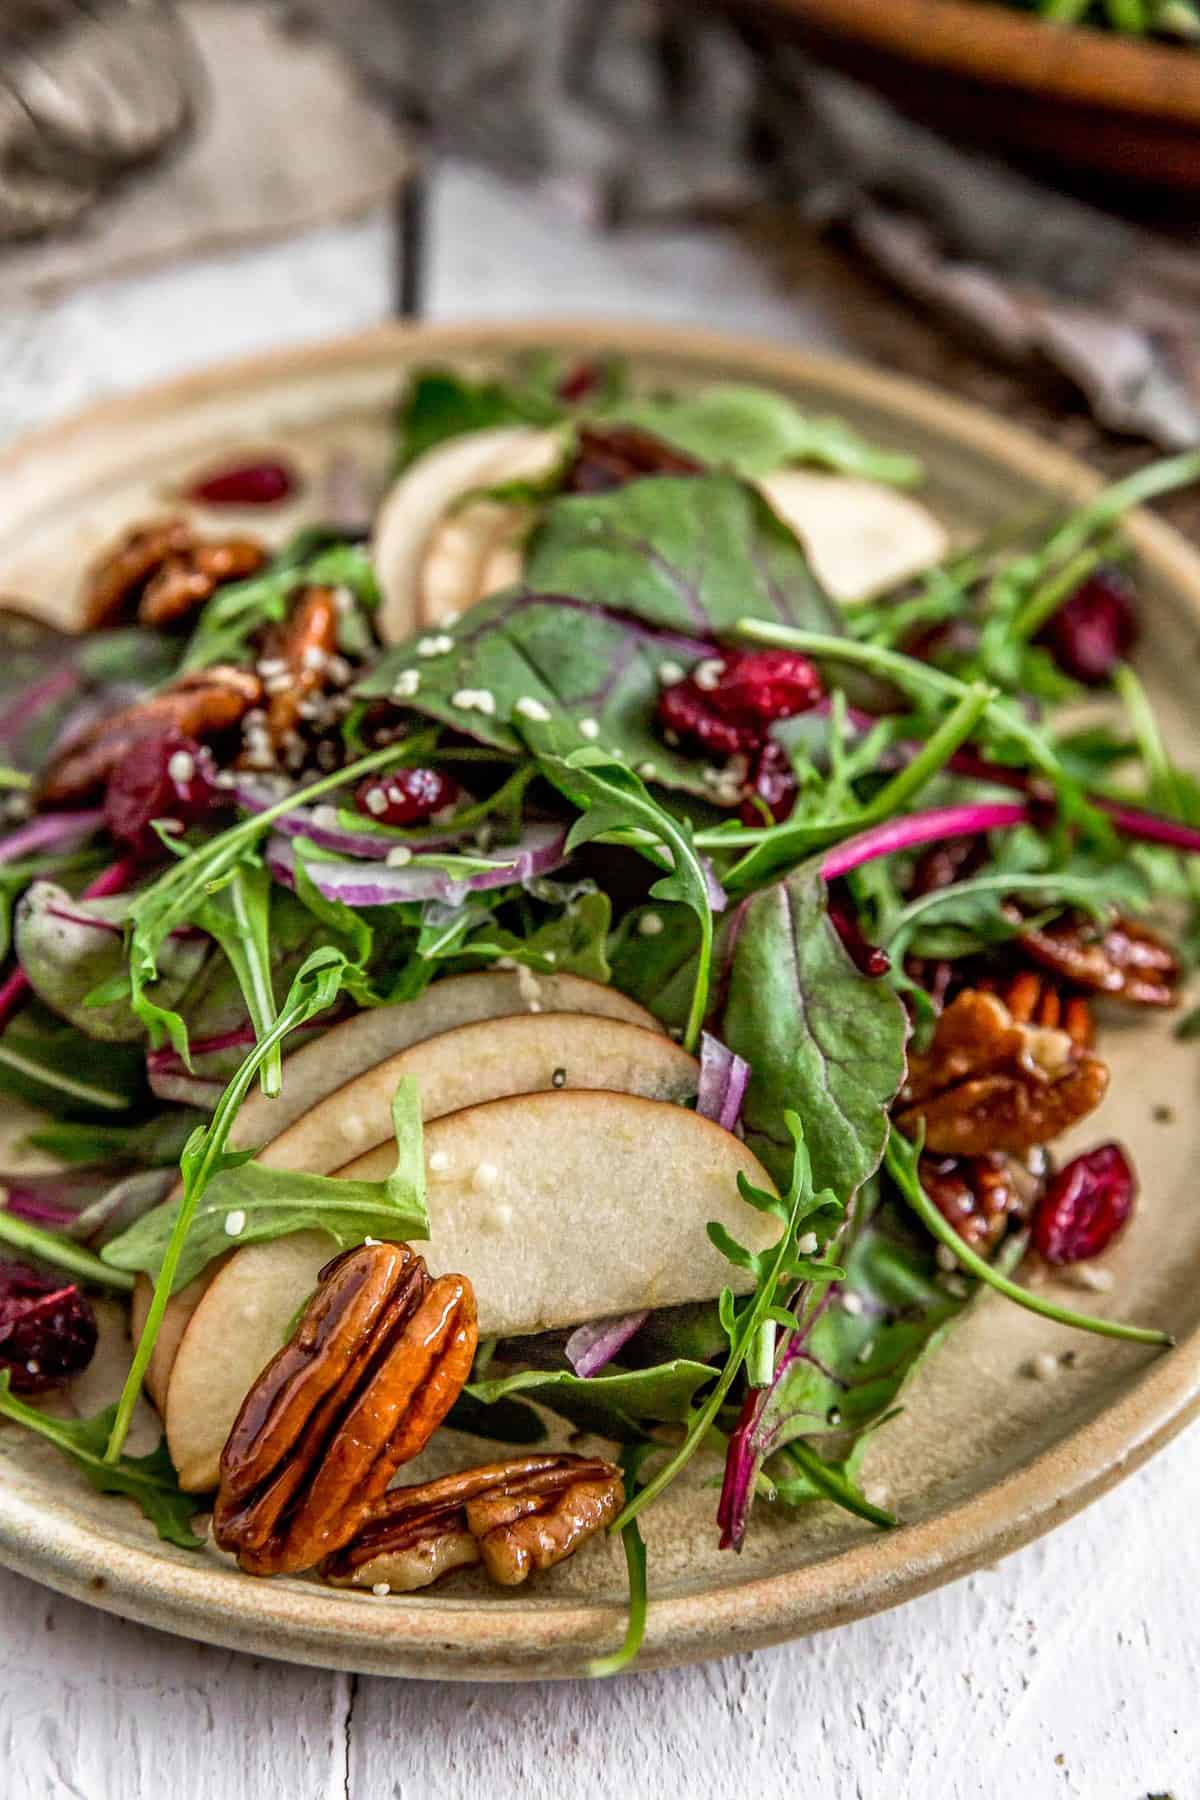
(999,78)
(983,1458)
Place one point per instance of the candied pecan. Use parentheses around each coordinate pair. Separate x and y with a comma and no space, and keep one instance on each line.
(185,582)
(309,640)
(1032,999)
(161,570)
(988,1082)
(517,1516)
(980,1195)
(203,705)
(1123,959)
(608,456)
(378,1359)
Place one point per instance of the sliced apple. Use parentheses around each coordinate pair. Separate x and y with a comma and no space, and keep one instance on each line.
(560,1206)
(353,1049)
(489,1060)
(861,536)
(422,502)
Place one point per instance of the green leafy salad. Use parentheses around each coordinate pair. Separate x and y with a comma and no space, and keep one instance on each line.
(613,950)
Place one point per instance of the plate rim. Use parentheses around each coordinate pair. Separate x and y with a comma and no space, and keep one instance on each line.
(530,1639)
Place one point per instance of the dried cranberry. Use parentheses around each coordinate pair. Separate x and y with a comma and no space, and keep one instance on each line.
(727,703)
(47,1328)
(578,383)
(264,483)
(1085,1205)
(406,797)
(867,958)
(772,784)
(1095,628)
(609,456)
(164,775)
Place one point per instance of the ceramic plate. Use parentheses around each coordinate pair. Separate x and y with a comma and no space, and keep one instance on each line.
(984,1458)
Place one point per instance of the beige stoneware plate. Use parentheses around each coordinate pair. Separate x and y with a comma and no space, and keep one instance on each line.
(984,1458)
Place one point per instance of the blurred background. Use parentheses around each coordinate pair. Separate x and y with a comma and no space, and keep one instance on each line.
(1001,198)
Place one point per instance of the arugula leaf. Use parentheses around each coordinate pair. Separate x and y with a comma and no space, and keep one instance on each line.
(632,1457)
(314,989)
(574,943)
(820,1037)
(440,404)
(150,1480)
(237,612)
(754,430)
(612,798)
(155,1143)
(276,1202)
(238,915)
(62,1251)
(612,1404)
(750,1324)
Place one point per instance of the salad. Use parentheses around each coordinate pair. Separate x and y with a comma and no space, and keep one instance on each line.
(589,974)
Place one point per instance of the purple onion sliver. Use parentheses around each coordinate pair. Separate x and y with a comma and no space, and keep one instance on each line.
(301,821)
(538,851)
(51,831)
(718,900)
(590,1347)
(724,1077)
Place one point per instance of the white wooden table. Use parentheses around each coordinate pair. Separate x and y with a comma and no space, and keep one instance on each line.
(1073,1669)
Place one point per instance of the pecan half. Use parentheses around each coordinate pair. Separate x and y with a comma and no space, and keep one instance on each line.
(1033,999)
(988,1082)
(980,1195)
(203,705)
(1122,959)
(309,640)
(514,1517)
(609,456)
(378,1359)
(161,571)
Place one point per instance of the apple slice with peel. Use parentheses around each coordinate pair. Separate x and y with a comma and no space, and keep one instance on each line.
(349,1050)
(489,1060)
(423,500)
(861,536)
(561,1207)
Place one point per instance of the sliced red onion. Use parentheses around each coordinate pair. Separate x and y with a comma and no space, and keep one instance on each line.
(539,850)
(590,1347)
(50,832)
(310,822)
(724,1077)
(718,899)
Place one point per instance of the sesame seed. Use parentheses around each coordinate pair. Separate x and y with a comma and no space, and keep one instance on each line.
(406,684)
(325,818)
(878,1493)
(277,684)
(397,858)
(235,1223)
(669,673)
(588,728)
(650,924)
(852,1303)
(225,778)
(439,1162)
(376,801)
(486,1175)
(529,708)
(474,700)
(339,670)
(381,1589)
(867,1351)
(809,1244)
(181,767)
(1043,1367)
(707,675)
(314,657)
(647,770)
(372,1243)
(272,665)
(440,645)
(33,1366)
